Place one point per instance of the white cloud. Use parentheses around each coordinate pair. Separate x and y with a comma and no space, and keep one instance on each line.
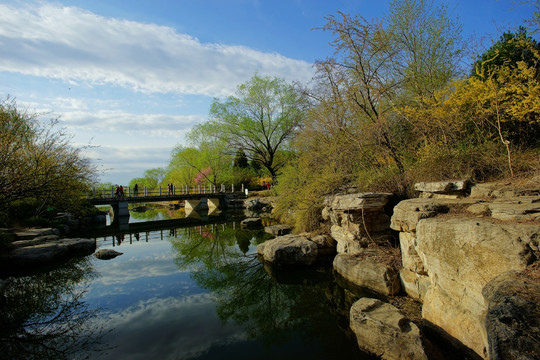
(75,45)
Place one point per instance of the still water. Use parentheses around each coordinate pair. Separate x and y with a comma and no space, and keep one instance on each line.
(178,293)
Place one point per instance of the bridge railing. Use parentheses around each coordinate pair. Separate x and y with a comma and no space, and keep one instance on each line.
(162,191)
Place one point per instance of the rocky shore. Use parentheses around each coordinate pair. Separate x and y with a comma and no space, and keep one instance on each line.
(467,254)
(30,249)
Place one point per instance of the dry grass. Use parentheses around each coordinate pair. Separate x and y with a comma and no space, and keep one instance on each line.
(384,255)
(531,272)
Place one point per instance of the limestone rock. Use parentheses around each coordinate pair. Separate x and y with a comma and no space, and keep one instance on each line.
(357,220)
(461,255)
(383,330)
(513,317)
(296,250)
(366,269)
(408,213)
(516,208)
(251,223)
(414,285)
(443,189)
(360,201)
(278,230)
(106,254)
(409,257)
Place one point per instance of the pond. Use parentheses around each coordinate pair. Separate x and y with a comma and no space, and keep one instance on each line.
(196,292)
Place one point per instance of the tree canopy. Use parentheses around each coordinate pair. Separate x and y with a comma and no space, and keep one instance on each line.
(260,119)
(38,164)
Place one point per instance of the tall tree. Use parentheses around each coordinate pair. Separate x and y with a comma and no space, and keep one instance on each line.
(260,119)
(38,162)
(361,82)
(427,44)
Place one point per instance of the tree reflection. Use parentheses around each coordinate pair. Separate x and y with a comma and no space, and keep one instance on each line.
(272,305)
(43,316)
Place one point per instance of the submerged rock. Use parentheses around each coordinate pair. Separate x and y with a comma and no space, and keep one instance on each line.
(384,331)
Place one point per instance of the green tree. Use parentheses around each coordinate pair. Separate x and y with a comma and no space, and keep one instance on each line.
(427,44)
(508,51)
(241,160)
(260,119)
(38,163)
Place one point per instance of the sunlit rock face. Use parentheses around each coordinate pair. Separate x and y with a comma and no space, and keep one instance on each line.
(453,248)
(366,269)
(357,220)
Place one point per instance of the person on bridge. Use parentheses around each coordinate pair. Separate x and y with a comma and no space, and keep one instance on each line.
(136,190)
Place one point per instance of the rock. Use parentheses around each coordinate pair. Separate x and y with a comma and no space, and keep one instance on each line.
(414,285)
(409,257)
(106,254)
(296,250)
(357,220)
(259,204)
(360,201)
(478,209)
(384,331)
(367,269)
(251,223)
(513,317)
(35,241)
(461,255)
(443,189)
(521,208)
(49,251)
(278,230)
(505,190)
(32,233)
(408,213)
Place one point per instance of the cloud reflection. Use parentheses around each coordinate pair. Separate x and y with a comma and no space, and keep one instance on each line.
(169,328)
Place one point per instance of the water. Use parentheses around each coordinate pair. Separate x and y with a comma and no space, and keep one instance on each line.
(179,293)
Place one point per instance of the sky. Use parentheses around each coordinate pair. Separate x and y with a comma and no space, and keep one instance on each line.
(127,79)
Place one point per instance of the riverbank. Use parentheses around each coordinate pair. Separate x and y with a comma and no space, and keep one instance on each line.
(453,250)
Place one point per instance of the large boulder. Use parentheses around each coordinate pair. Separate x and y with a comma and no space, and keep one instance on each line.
(369,269)
(45,252)
(298,249)
(460,256)
(383,330)
(513,316)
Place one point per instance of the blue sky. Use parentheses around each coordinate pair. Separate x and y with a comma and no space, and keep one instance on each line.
(132,77)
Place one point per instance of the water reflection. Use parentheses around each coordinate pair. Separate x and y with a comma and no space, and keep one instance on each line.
(275,306)
(44,316)
(179,292)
